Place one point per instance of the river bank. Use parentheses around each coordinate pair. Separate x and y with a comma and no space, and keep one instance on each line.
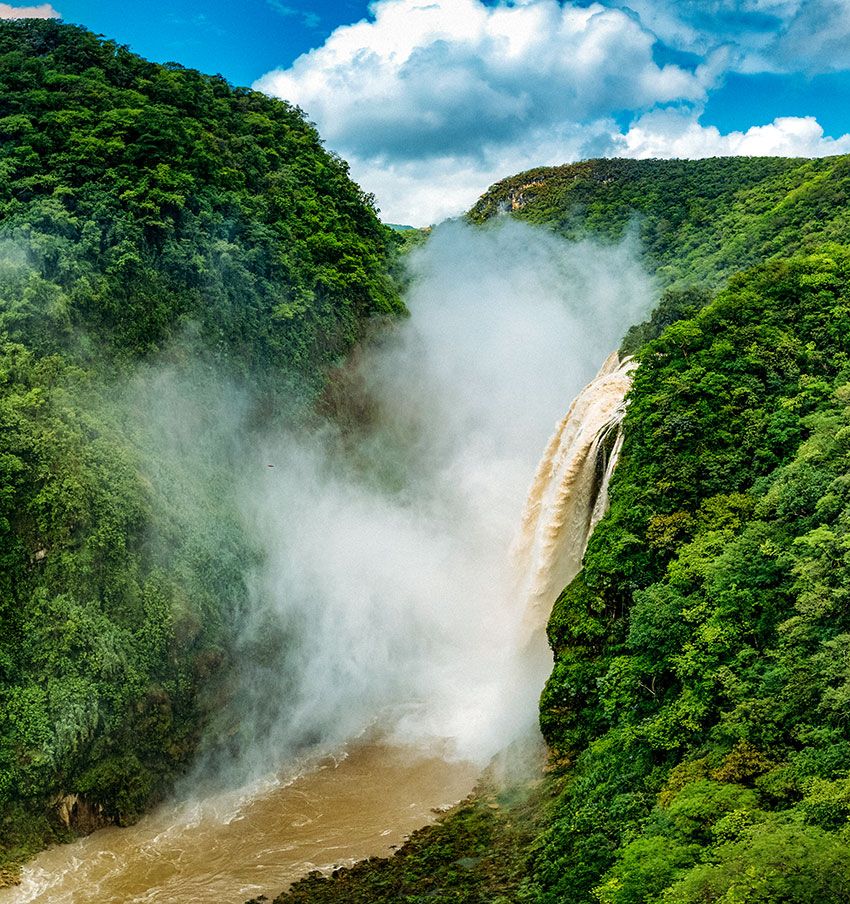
(359,804)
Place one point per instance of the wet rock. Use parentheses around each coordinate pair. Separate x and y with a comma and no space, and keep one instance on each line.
(79,815)
(9,876)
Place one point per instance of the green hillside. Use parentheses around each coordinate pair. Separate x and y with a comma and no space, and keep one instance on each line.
(149,196)
(153,221)
(695,221)
(181,262)
(696,700)
(697,713)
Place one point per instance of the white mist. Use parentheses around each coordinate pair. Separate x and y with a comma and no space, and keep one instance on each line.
(388,601)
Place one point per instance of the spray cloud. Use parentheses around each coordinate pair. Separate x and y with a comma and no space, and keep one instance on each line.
(384,592)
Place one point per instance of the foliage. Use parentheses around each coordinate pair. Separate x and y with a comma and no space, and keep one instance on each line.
(697,710)
(696,221)
(699,686)
(149,197)
(150,218)
(476,856)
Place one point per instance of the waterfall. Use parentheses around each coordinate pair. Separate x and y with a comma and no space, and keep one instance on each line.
(569,494)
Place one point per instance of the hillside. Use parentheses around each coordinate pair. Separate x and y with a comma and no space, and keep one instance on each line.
(182,263)
(149,196)
(178,259)
(697,683)
(696,221)
(696,714)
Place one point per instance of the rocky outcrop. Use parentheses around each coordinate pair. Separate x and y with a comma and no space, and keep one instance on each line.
(80,815)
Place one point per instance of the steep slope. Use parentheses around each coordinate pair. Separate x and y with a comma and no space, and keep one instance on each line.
(696,221)
(694,701)
(180,261)
(148,196)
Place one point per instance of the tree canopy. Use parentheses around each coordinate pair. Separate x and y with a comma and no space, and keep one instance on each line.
(151,217)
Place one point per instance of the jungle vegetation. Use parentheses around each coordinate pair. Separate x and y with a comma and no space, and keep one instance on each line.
(150,217)
(697,713)
(695,222)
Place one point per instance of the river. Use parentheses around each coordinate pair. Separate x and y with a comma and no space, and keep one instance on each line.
(235,846)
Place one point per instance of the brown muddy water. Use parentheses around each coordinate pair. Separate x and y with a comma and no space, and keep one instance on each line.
(235,846)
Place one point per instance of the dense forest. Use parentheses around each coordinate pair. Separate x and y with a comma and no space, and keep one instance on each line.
(696,716)
(151,218)
(160,229)
(699,690)
(695,221)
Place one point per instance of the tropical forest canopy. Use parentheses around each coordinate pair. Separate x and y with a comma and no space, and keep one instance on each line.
(694,221)
(697,714)
(149,216)
(154,220)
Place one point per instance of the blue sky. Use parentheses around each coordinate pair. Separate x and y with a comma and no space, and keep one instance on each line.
(432,100)
(239,40)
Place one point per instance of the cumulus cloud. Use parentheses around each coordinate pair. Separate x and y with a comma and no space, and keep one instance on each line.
(811,36)
(698,26)
(816,40)
(44,11)
(431,101)
(677,133)
(421,77)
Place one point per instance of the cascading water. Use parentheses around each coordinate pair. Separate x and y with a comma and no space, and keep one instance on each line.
(569,493)
(340,811)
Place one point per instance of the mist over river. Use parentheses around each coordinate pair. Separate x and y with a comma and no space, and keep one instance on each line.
(386,598)
(386,590)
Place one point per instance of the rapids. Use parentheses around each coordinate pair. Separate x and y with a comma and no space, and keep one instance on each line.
(232,847)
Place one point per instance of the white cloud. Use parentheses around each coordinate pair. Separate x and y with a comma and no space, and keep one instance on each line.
(816,40)
(44,11)
(433,188)
(811,36)
(676,133)
(698,26)
(423,77)
(431,101)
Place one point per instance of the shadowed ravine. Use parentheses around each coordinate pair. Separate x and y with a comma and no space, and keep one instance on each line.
(337,810)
